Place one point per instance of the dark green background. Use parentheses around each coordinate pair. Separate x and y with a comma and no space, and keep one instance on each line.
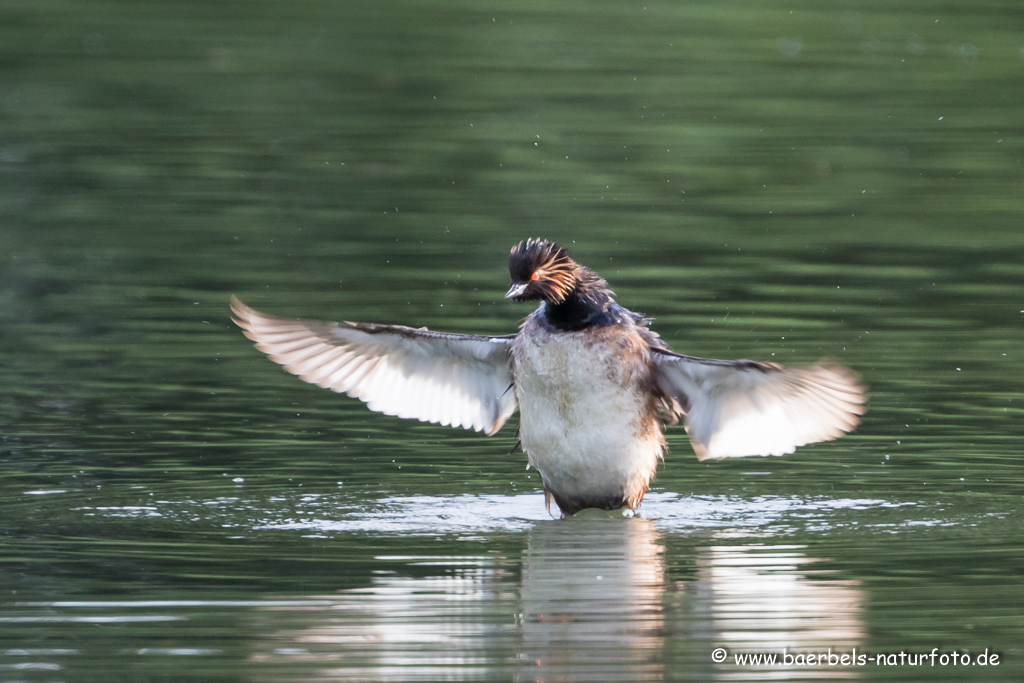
(783,181)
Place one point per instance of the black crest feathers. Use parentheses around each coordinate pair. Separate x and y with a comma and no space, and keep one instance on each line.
(545,268)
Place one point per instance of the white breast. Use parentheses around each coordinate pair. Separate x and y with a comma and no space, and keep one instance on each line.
(585,422)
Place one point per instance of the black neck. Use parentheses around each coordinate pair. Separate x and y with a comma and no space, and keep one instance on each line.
(578,311)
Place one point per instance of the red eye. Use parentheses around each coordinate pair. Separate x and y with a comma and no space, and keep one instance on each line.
(535,276)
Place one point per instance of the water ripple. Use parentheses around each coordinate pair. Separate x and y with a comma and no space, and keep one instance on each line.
(316,515)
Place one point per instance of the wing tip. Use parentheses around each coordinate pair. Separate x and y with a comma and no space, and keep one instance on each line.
(848,378)
(239,308)
(243,315)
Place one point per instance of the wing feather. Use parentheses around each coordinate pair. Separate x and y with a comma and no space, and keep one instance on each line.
(744,408)
(450,379)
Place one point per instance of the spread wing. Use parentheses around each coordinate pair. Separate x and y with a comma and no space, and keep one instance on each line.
(461,380)
(740,408)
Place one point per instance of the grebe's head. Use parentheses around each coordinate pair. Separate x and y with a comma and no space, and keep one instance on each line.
(540,271)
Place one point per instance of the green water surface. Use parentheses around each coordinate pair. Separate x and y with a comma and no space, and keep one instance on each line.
(769,180)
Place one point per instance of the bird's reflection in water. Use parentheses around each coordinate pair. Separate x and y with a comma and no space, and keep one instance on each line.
(773,599)
(592,609)
(449,621)
(592,600)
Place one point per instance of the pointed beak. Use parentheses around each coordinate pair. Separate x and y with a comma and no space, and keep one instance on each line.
(516,290)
